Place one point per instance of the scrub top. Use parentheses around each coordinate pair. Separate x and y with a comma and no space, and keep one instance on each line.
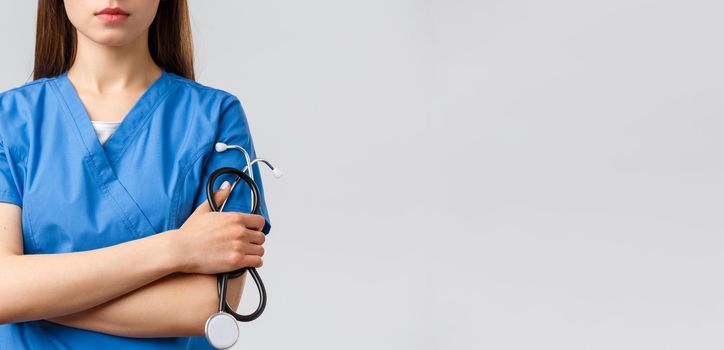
(77,194)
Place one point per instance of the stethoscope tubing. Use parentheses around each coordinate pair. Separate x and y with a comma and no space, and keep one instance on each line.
(222,278)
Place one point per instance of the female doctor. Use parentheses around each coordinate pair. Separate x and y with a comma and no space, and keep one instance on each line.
(107,242)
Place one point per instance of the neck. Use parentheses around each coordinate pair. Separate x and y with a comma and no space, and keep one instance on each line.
(104,68)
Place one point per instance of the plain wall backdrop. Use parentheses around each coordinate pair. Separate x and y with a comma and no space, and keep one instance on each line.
(468,174)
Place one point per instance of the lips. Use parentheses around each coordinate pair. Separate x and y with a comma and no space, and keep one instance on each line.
(112,11)
(112,15)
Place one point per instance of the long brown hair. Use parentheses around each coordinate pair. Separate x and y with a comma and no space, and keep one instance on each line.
(169,39)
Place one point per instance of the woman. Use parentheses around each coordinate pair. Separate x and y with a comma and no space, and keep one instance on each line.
(109,242)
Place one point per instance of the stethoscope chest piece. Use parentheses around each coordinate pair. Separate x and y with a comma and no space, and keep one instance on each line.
(222,331)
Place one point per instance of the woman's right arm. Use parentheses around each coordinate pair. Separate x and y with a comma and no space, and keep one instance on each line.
(49,285)
(44,286)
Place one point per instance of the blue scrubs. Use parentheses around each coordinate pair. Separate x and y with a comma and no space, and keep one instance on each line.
(78,195)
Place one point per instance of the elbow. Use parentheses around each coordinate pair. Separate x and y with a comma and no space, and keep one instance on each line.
(196,324)
(4,316)
(10,311)
(209,303)
(7,315)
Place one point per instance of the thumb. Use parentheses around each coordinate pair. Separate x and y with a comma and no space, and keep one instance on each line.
(220,196)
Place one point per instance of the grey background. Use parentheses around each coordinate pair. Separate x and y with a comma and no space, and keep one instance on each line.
(475,174)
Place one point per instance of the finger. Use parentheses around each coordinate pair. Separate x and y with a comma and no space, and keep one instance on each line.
(219,196)
(254,261)
(256,237)
(253,249)
(254,221)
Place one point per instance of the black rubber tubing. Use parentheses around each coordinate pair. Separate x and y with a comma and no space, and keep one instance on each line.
(222,278)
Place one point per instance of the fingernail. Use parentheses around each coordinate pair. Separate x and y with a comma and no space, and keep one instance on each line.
(225,185)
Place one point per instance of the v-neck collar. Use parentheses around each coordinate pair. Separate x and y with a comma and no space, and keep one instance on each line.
(135,118)
(101,159)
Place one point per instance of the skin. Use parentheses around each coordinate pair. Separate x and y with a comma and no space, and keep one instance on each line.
(159,286)
(108,94)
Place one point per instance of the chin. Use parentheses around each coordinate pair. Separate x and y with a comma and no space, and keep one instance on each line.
(115,38)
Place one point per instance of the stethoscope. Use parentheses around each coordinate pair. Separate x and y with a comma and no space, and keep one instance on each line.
(222,330)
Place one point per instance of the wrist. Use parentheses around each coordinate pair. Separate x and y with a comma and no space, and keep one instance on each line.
(170,251)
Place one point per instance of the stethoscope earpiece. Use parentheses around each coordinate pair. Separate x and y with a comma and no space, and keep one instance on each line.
(220,147)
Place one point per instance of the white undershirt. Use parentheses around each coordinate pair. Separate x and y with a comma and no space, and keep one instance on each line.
(104,129)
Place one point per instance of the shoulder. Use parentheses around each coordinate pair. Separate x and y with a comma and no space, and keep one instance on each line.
(26,92)
(30,85)
(19,106)
(207,107)
(195,89)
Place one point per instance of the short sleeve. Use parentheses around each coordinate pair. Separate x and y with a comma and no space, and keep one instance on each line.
(234,129)
(8,189)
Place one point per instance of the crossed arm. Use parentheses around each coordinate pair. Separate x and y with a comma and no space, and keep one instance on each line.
(152,299)
(175,305)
